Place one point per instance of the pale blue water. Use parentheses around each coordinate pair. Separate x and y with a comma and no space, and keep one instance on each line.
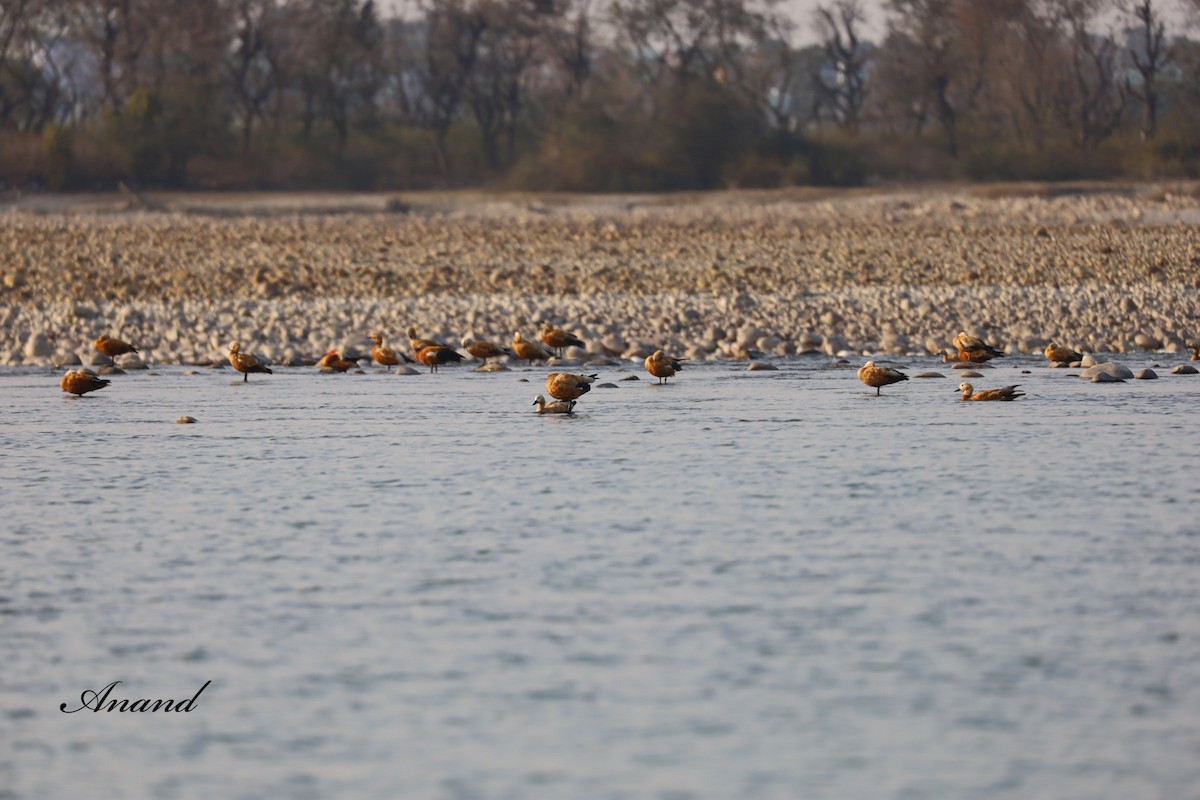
(750,585)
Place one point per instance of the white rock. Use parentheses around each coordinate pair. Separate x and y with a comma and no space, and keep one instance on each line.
(1115,371)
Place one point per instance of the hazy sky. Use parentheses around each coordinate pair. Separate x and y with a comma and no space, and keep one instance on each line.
(802,11)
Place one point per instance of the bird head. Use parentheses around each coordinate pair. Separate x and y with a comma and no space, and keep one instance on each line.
(540,400)
(966,388)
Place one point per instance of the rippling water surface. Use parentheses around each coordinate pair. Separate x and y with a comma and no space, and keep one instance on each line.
(741,585)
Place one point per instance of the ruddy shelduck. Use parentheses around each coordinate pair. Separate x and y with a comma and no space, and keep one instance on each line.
(878,377)
(559,340)
(1064,355)
(977,349)
(663,366)
(530,351)
(565,386)
(333,361)
(483,350)
(246,362)
(435,355)
(386,355)
(81,381)
(557,407)
(113,348)
(418,344)
(1005,393)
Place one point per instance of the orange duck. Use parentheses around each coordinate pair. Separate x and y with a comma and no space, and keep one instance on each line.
(878,377)
(246,362)
(435,355)
(333,361)
(662,366)
(113,348)
(81,381)
(558,339)
(386,355)
(484,350)
(564,386)
(1006,393)
(530,351)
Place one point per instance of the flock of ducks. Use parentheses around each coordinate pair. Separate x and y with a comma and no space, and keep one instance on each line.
(565,388)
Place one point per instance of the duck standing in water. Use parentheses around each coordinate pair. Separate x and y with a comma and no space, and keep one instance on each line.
(113,348)
(878,377)
(565,386)
(662,366)
(246,362)
(386,355)
(81,381)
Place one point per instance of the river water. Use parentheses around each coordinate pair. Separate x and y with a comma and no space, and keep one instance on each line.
(740,585)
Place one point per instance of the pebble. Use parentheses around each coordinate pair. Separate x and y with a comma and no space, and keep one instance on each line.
(185,420)
(1106,377)
(110,370)
(1110,368)
(970,373)
(405,370)
(38,346)
(1183,369)
(1145,374)
(929,375)
(631,378)
(491,366)
(66,360)
(606,386)
(761,366)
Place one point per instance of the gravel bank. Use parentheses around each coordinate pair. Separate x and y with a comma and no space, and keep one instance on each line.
(714,276)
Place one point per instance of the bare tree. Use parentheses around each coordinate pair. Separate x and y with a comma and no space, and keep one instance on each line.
(1092,99)
(253,77)
(843,84)
(928,26)
(1149,57)
(447,59)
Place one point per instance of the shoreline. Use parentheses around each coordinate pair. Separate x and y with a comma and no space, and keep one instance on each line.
(708,277)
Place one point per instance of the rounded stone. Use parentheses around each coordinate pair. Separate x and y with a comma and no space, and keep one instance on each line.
(761,366)
(1145,375)
(929,375)
(185,420)
(1110,368)
(1184,369)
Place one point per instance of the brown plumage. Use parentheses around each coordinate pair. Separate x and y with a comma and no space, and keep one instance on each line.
(333,360)
(1195,351)
(1006,393)
(878,377)
(113,348)
(662,366)
(530,351)
(977,349)
(418,343)
(386,355)
(557,407)
(245,362)
(435,355)
(565,386)
(958,357)
(81,381)
(485,350)
(1061,354)
(558,339)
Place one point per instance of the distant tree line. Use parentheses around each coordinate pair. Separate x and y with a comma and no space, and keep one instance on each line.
(608,95)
